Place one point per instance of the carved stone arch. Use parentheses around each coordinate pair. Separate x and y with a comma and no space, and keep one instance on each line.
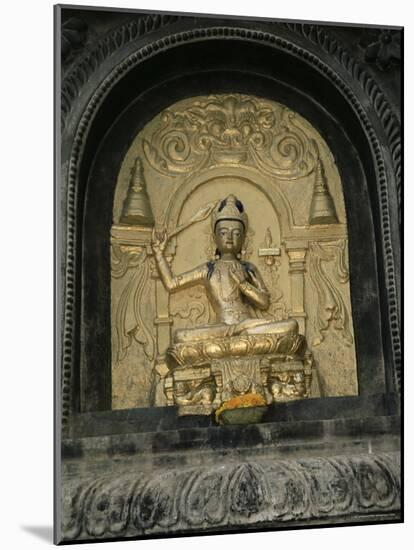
(376,145)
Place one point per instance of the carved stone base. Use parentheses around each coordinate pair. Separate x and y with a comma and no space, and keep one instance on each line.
(238,376)
(206,373)
(290,380)
(202,352)
(204,388)
(274,493)
(192,388)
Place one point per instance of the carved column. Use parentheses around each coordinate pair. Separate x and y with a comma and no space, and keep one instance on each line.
(163,322)
(296,251)
(132,306)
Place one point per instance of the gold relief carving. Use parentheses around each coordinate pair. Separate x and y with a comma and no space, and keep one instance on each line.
(235,343)
(331,310)
(202,388)
(203,351)
(231,129)
(290,380)
(297,268)
(286,386)
(193,391)
(137,208)
(209,307)
(192,306)
(322,210)
(238,376)
(124,257)
(202,214)
(297,260)
(130,299)
(268,258)
(269,251)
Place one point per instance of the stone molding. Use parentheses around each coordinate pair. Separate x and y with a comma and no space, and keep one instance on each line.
(77,77)
(359,73)
(255,494)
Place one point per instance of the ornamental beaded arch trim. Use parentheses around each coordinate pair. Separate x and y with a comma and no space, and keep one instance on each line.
(77,77)
(359,73)
(151,50)
(127,33)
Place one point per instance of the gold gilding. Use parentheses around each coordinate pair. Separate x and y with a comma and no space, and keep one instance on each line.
(322,208)
(208,304)
(137,208)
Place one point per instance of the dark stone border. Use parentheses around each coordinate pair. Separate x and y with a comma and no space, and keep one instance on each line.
(358,73)
(77,77)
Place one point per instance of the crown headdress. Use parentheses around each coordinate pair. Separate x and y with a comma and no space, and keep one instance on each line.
(230,208)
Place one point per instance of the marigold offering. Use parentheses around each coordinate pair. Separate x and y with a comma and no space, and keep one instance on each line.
(241,401)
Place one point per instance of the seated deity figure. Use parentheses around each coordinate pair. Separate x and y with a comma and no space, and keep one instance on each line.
(234,287)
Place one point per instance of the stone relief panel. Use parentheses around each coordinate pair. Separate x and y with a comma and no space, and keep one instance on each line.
(234,128)
(234,494)
(273,268)
(132,330)
(329,307)
(186,159)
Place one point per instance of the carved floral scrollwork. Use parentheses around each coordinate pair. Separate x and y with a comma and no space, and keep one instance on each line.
(331,310)
(231,494)
(123,258)
(228,129)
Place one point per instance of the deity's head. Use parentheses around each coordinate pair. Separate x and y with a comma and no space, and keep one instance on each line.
(229,224)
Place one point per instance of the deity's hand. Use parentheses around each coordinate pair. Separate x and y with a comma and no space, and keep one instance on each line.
(237,275)
(159,241)
(254,279)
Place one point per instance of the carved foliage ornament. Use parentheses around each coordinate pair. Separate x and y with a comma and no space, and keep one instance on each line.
(332,310)
(231,129)
(135,258)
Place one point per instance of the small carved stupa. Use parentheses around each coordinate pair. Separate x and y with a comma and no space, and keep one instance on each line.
(322,210)
(137,209)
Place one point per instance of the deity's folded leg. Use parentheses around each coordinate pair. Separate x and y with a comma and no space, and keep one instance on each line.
(203,333)
(264,326)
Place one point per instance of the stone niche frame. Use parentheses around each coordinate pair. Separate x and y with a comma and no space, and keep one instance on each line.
(127,70)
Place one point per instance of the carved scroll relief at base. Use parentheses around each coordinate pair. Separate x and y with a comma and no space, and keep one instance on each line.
(278,492)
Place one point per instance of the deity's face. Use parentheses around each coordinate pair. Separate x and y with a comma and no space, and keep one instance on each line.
(229,236)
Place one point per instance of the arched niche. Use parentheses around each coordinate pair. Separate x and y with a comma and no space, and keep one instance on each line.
(195,153)
(128,99)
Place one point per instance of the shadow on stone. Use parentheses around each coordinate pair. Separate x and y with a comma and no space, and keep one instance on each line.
(43,532)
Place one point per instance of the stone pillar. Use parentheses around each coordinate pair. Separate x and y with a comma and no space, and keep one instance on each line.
(162,322)
(296,251)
